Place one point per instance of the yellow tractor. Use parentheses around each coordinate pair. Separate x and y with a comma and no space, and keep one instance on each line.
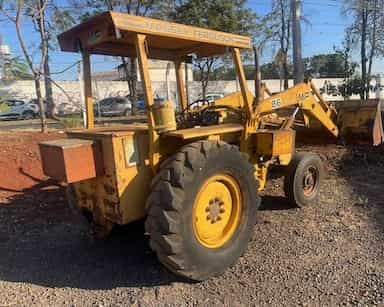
(195,180)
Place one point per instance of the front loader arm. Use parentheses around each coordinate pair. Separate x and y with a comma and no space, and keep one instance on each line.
(306,97)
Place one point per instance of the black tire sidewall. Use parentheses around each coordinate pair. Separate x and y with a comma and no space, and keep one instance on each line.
(301,163)
(214,261)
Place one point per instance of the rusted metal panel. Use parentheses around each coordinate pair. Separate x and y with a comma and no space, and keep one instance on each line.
(118,196)
(360,121)
(71,160)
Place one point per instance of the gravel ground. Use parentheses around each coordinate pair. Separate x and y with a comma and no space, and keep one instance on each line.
(329,254)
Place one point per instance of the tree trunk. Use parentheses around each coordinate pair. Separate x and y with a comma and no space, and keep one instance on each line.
(205,74)
(28,58)
(204,86)
(363,54)
(132,84)
(131,78)
(285,72)
(44,66)
(48,89)
(127,76)
(40,100)
(373,47)
(283,39)
(186,82)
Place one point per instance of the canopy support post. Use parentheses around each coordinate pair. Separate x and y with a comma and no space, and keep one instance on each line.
(242,81)
(88,90)
(141,51)
(249,125)
(180,85)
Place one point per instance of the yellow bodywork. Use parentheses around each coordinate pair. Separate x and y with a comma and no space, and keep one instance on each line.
(305,97)
(132,155)
(164,117)
(117,197)
(361,121)
(217,210)
(273,143)
(204,132)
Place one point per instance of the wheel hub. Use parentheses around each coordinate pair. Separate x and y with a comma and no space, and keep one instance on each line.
(310,180)
(216,211)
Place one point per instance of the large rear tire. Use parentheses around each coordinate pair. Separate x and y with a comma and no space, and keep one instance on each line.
(303,179)
(202,209)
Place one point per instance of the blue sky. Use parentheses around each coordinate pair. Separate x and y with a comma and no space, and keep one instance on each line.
(325,31)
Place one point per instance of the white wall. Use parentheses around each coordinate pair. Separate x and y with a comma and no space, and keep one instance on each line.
(102,89)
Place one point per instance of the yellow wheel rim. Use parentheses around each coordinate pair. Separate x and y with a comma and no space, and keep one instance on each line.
(217,211)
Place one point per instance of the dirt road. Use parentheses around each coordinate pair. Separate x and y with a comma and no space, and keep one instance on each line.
(329,254)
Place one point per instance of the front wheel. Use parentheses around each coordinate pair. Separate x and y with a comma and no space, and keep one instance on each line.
(28,115)
(202,209)
(303,179)
(127,112)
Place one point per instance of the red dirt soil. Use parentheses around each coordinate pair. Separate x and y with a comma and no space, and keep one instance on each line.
(20,165)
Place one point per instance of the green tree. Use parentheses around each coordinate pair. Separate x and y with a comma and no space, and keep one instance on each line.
(349,66)
(273,71)
(223,15)
(367,32)
(51,21)
(14,68)
(36,11)
(331,65)
(37,7)
(274,30)
(352,86)
(89,8)
(47,18)
(268,71)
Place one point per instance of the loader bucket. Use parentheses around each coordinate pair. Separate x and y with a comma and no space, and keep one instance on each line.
(360,121)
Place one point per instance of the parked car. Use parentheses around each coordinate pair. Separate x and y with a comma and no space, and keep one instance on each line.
(113,106)
(17,109)
(210,97)
(66,109)
(141,103)
(35,101)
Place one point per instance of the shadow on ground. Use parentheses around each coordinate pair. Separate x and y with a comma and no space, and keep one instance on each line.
(363,168)
(275,203)
(42,242)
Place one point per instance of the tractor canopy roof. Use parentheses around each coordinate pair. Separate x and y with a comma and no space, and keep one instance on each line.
(113,33)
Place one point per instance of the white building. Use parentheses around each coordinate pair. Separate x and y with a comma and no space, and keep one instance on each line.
(5,51)
(157,70)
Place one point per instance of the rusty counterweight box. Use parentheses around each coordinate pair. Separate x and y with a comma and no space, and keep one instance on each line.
(108,170)
(71,160)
